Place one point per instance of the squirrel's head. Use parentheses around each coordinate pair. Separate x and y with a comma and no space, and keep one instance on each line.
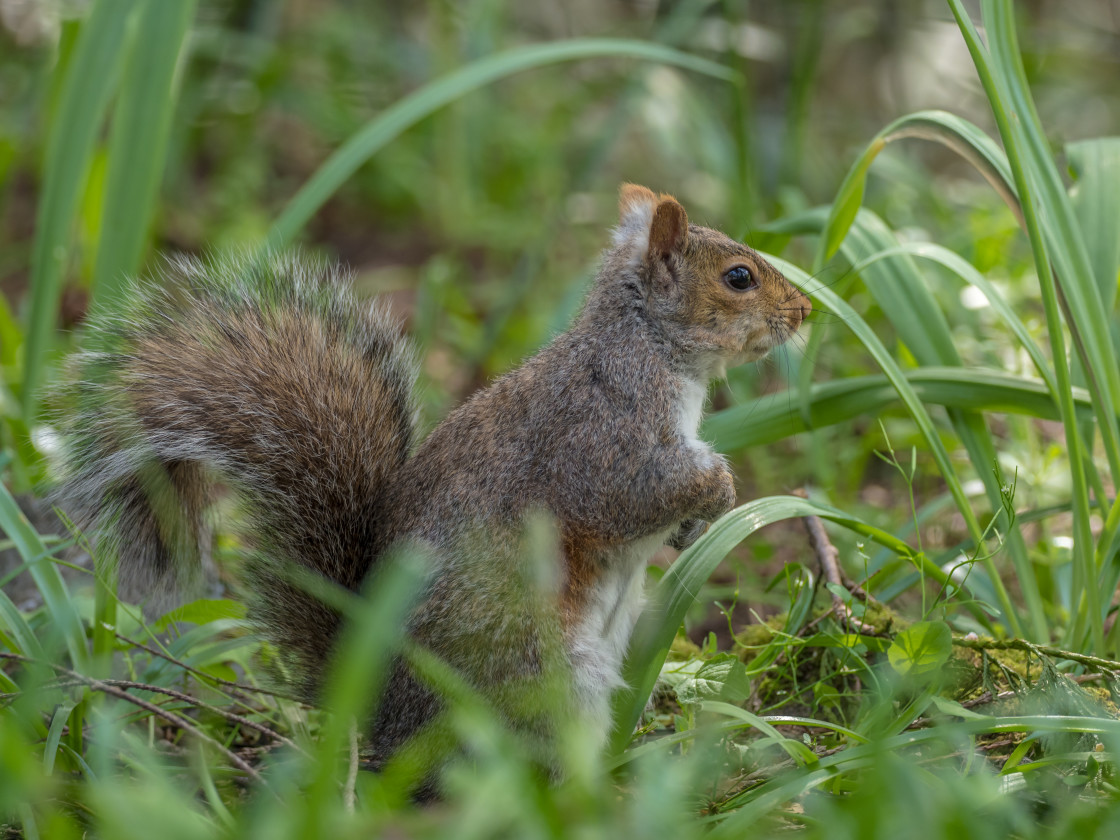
(720,301)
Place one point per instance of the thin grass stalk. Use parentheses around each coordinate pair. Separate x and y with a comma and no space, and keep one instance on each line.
(138,140)
(933,344)
(91,77)
(857,325)
(1084,570)
(1078,293)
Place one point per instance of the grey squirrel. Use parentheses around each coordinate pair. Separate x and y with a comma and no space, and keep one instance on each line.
(271,378)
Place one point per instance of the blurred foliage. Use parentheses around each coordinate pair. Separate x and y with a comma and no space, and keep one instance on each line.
(781,709)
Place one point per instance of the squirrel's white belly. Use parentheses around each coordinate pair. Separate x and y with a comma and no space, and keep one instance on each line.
(598,643)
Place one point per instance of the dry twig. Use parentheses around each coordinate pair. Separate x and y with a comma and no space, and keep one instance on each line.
(172,718)
(828,557)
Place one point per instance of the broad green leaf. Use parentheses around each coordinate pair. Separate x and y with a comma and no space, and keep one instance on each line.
(723,677)
(921,648)
(203,611)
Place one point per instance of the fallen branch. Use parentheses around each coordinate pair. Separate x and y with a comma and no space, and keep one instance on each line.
(1044,650)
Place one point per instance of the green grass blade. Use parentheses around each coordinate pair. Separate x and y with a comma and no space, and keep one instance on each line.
(676,592)
(1096,202)
(138,142)
(358,668)
(1080,297)
(902,293)
(1086,314)
(960,135)
(29,544)
(59,720)
(91,77)
(408,111)
(967,272)
(771,417)
(19,631)
(1022,164)
(851,319)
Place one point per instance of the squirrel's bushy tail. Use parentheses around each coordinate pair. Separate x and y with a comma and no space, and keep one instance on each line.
(267,376)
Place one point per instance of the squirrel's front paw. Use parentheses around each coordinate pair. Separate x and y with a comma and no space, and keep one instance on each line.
(718,496)
(687,533)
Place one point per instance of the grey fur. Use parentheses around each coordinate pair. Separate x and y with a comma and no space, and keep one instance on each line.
(597,430)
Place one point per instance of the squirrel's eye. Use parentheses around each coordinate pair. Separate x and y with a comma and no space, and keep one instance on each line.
(740,279)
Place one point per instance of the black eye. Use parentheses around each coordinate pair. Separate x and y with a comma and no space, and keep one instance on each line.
(740,278)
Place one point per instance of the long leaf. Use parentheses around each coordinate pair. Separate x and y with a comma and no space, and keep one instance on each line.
(771,417)
(91,77)
(967,272)
(676,592)
(408,111)
(1095,199)
(29,544)
(960,135)
(138,142)
(997,78)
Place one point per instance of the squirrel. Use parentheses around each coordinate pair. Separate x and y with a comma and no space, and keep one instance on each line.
(270,377)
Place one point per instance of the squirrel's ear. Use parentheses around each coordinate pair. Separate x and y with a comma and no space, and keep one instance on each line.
(669,229)
(635,207)
(655,226)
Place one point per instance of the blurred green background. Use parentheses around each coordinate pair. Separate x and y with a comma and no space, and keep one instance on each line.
(482,223)
(131,128)
(485,220)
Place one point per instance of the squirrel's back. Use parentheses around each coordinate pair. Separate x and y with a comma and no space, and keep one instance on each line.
(265,372)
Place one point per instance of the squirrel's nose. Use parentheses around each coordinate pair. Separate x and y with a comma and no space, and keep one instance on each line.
(800,311)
